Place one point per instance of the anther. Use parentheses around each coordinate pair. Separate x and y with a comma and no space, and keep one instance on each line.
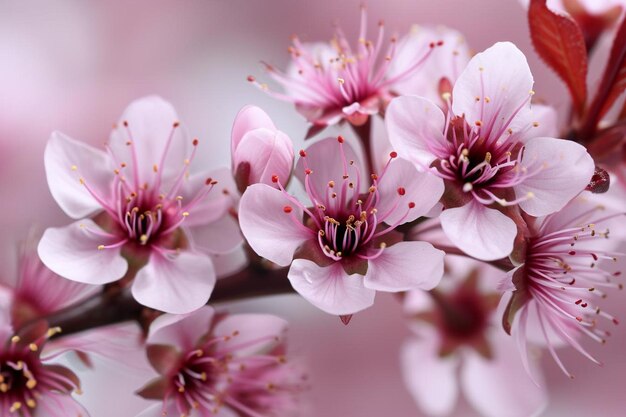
(302,153)
(274,178)
(393,154)
(401,191)
(340,139)
(287,209)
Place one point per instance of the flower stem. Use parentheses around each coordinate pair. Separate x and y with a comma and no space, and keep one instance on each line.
(118,305)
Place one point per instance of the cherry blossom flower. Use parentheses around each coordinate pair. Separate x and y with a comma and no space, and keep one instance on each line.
(258,149)
(37,291)
(492,150)
(343,244)
(331,82)
(459,347)
(220,365)
(141,211)
(30,386)
(440,71)
(554,294)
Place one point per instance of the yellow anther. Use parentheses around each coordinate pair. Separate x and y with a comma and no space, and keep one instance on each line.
(15,339)
(74,167)
(33,347)
(100,247)
(31,383)
(16,406)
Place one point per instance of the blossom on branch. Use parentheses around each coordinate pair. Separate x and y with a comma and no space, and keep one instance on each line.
(258,149)
(492,150)
(332,82)
(459,348)
(341,244)
(220,365)
(554,295)
(144,215)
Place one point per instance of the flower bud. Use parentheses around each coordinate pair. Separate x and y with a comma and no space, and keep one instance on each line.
(259,150)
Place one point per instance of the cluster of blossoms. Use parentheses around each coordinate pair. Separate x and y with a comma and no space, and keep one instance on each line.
(486,221)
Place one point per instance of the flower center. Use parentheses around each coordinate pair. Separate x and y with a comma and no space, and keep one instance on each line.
(347,222)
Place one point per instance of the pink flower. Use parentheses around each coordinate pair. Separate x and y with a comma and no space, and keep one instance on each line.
(258,149)
(491,150)
(29,385)
(219,365)
(331,82)
(343,242)
(459,347)
(139,204)
(38,291)
(556,290)
(440,71)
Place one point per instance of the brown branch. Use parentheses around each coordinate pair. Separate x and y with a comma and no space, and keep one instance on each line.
(116,306)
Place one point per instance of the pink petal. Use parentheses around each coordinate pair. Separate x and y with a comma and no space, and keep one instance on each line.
(430,379)
(481,232)
(251,333)
(324,159)
(422,189)
(218,237)
(330,288)
(156,410)
(53,404)
(493,87)
(269,152)
(48,292)
(249,118)
(72,252)
(562,170)
(67,161)
(500,386)
(446,61)
(177,285)
(216,203)
(405,266)
(544,121)
(121,343)
(150,125)
(229,263)
(269,230)
(181,330)
(415,126)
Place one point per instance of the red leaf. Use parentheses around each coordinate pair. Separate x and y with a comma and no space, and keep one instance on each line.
(600,181)
(560,43)
(345,319)
(613,82)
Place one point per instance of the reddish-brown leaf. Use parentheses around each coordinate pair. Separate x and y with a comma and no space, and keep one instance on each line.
(613,81)
(560,43)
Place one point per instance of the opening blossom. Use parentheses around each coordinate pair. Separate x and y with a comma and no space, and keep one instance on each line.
(220,365)
(141,210)
(490,150)
(459,347)
(30,386)
(555,292)
(331,82)
(258,149)
(342,242)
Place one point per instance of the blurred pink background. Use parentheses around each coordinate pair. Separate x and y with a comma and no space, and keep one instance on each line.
(73,66)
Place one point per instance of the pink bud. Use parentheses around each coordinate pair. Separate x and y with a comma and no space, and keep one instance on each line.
(262,149)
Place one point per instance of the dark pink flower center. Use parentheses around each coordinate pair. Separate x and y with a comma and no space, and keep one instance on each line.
(351,77)
(347,222)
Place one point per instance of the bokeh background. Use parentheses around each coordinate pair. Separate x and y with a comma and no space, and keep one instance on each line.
(74,65)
